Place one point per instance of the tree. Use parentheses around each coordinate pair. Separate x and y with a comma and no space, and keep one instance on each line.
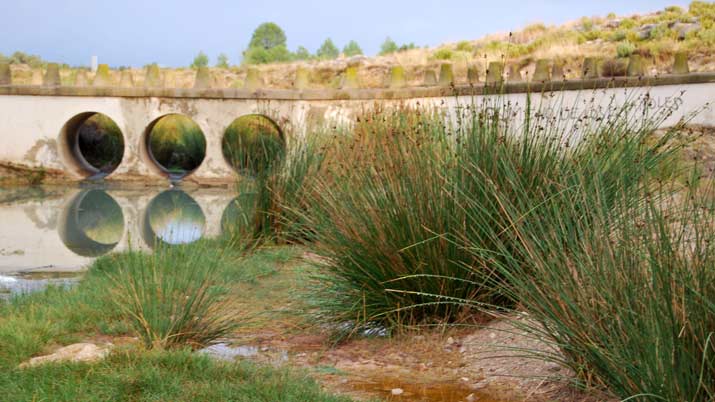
(388,46)
(267,36)
(302,54)
(352,49)
(201,60)
(259,55)
(327,50)
(222,61)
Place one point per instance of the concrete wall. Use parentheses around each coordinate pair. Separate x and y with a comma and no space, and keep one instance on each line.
(33,119)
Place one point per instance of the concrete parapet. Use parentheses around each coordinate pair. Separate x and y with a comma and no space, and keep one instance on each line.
(515,74)
(80,79)
(473,73)
(446,74)
(350,78)
(152,78)
(557,71)
(591,68)
(253,79)
(680,65)
(52,75)
(302,78)
(397,77)
(203,78)
(102,78)
(430,78)
(5,74)
(495,72)
(635,66)
(126,80)
(542,73)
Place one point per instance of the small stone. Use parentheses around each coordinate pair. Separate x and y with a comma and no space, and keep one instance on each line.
(471,398)
(78,352)
(397,391)
(450,341)
(465,379)
(492,335)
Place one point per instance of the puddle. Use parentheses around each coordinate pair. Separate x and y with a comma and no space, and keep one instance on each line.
(63,229)
(33,282)
(395,389)
(223,351)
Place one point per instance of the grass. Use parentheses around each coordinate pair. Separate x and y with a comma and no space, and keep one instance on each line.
(171,300)
(159,376)
(393,215)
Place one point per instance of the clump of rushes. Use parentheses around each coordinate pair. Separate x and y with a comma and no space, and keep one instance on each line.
(624,290)
(171,297)
(398,218)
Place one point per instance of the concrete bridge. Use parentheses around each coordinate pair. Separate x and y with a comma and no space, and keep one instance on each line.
(38,124)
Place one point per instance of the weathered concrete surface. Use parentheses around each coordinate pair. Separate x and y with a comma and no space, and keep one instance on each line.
(32,118)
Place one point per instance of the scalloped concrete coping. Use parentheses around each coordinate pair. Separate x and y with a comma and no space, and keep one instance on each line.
(359,94)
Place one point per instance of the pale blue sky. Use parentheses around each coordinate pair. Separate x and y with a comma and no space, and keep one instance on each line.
(171,32)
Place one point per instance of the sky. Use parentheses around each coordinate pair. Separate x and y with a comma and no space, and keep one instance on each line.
(172,32)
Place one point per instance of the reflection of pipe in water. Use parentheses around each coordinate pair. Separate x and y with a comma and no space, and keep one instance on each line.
(92,224)
(173,217)
(238,220)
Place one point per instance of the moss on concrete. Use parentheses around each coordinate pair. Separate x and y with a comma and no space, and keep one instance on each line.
(350,78)
(302,78)
(52,75)
(495,72)
(102,78)
(203,78)
(152,79)
(253,79)
(542,72)
(680,65)
(446,74)
(397,77)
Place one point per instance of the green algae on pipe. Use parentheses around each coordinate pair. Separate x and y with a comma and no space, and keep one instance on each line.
(350,79)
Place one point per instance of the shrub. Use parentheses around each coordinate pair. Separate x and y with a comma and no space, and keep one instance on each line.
(393,219)
(170,297)
(327,50)
(260,55)
(201,60)
(222,61)
(625,49)
(465,46)
(352,49)
(625,293)
(388,46)
(443,54)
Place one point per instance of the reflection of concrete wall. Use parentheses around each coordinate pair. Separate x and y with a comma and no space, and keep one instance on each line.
(36,240)
(31,118)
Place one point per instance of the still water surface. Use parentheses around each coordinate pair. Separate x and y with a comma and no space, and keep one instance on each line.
(49,233)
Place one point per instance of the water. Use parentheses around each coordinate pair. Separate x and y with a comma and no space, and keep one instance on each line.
(52,233)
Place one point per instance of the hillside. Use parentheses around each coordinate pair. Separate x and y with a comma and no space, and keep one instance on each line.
(655,36)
